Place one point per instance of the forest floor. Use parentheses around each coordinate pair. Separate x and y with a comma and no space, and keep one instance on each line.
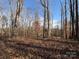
(26,48)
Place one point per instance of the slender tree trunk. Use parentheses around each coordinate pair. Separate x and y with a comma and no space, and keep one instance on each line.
(48,18)
(73,32)
(46,28)
(77,30)
(44,22)
(65,21)
(72,17)
(61,19)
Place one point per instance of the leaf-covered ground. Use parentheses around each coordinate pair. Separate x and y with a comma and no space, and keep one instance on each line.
(24,48)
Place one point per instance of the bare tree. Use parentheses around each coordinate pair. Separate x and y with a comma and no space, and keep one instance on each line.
(37,23)
(11,17)
(29,18)
(65,23)
(62,18)
(45,4)
(77,30)
(18,11)
(72,16)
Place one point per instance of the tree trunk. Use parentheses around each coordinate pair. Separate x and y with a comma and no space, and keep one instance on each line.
(45,4)
(72,17)
(77,30)
(65,21)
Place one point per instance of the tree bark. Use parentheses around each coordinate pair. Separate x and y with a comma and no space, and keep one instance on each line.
(72,17)
(77,30)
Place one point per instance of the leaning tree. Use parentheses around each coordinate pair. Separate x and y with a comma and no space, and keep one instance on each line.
(15,15)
